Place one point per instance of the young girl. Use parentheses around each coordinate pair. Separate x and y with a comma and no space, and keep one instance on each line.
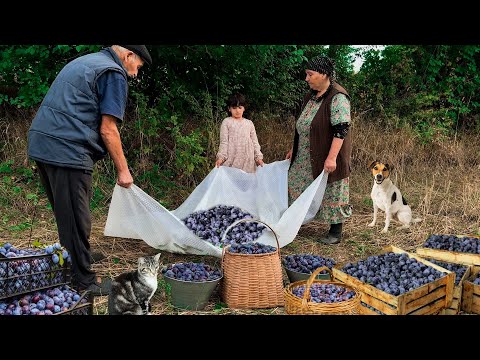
(239,145)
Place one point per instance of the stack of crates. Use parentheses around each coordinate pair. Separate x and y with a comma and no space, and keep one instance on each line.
(37,281)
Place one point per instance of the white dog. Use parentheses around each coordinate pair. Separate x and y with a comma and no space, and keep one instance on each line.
(387,197)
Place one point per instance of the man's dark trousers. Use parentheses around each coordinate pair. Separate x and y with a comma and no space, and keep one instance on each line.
(69,192)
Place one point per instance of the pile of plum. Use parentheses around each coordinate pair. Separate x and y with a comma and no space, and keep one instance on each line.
(458,269)
(30,271)
(393,273)
(210,225)
(324,293)
(453,243)
(251,248)
(307,263)
(45,302)
(190,271)
(10,251)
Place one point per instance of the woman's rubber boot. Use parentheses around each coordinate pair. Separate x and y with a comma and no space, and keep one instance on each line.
(334,236)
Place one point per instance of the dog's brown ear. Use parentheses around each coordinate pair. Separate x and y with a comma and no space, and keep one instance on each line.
(372,164)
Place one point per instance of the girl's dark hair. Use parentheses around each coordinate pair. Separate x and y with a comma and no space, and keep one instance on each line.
(236,100)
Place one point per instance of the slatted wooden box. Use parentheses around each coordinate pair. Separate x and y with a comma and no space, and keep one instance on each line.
(425,300)
(471,294)
(455,257)
(452,256)
(456,305)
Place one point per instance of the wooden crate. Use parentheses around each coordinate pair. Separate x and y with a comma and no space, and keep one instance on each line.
(452,256)
(456,304)
(425,300)
(471,294)
(363,310)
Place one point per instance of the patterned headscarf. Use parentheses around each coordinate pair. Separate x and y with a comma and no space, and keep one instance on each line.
(323,65)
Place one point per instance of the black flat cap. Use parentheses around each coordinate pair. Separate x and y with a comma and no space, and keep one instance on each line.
(141,51)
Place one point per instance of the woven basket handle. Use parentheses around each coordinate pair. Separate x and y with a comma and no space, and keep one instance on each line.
(247,220)
(306,293)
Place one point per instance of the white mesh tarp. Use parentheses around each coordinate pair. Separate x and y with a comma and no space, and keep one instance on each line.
(264,194)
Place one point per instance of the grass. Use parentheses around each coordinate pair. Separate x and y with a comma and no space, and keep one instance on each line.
(438,180)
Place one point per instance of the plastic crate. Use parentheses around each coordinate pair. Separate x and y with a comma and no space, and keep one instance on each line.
(80,308)
(77,304)
(24,274)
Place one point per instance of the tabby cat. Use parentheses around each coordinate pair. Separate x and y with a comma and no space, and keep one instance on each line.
(131,291)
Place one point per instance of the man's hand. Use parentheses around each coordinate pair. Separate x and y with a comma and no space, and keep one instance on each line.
(125,179)
(260,162)
(219,162)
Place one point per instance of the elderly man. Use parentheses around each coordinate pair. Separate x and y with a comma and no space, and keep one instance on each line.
(75,126)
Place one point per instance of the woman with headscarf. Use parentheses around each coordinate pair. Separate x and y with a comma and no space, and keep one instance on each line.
(322,142)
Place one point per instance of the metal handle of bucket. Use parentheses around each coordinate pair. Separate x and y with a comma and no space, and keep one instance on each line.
(247,220)
(311,279)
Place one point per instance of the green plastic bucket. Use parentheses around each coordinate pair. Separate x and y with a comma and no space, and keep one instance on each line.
(190,295)
(297,276)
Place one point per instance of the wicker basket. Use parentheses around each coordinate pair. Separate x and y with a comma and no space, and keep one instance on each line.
(252,281)
(295,305)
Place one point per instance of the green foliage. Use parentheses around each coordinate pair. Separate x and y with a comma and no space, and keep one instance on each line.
(361,249)
(26,71)
(158,183)
(167,288)
(20,227)
(166,152)
(219,307)
(6,167)
(32,197)
(344,56)
(12,180)
(98,198)
(433,88)
(267,74)
(19,192)
(367,201)
(188,148)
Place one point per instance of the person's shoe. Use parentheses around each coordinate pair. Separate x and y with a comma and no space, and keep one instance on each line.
(331,239)
(101,288)
(334,235)
(96,257)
